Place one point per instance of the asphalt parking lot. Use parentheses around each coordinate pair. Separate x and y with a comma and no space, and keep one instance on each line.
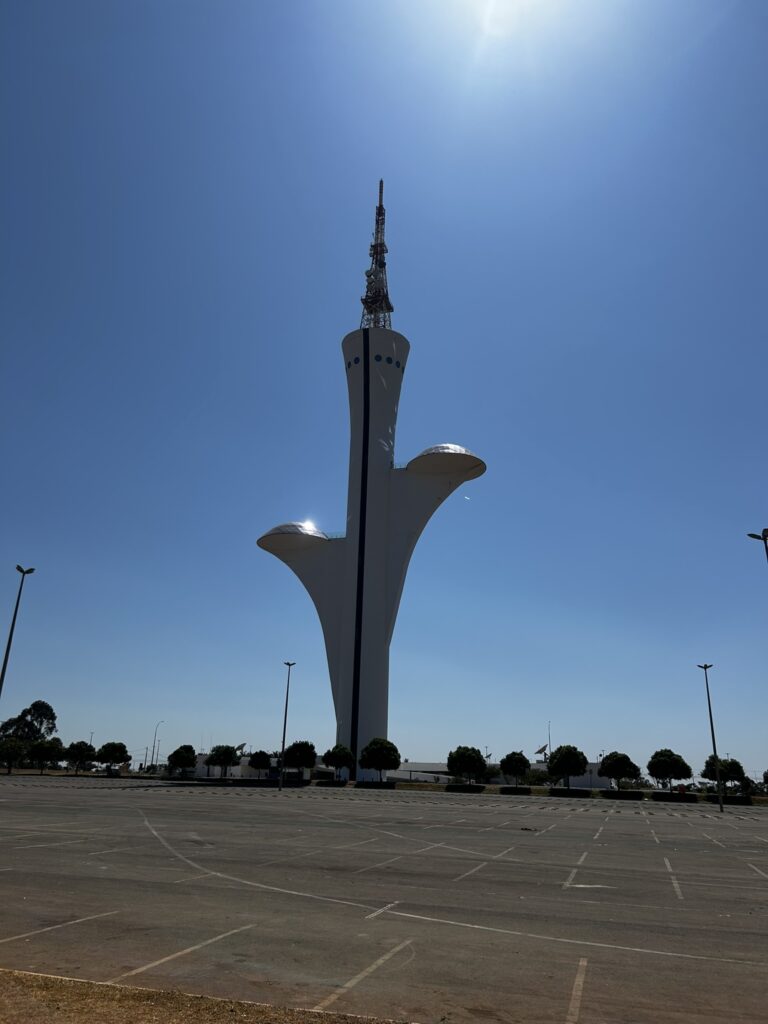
(416,906)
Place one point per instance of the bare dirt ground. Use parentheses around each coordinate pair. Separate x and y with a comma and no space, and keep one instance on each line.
(36,999)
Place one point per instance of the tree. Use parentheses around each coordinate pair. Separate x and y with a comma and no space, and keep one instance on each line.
(565,761)
(182,758)
(379,755)
(665,765)
(224,756)
(731,770)
(112,753)
(34,723)
(466,761)
(12,751)
(45,752)
(301,754)
(79,755)
(515,764)
(260,761)
(618,766)
(339,757)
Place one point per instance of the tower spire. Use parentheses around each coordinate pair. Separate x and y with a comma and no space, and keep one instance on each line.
(376,304)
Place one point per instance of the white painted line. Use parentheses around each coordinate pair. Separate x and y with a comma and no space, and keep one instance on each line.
(761,839)
(25,835)
(247,881)
(598,832)
(6,869)
(100,853)
(359,977)
(370,917)
(569,879)
(656,838)
(577,942)
(578,987)
(37,846)
(471,871)
(675,883)
(381,864)
(191,878)
(509,849)
(53,927)
(348,846)
(754,868)
(581,859)
(546,829)
(182,952)
(716,841)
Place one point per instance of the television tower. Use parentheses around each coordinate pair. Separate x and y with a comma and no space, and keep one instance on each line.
(355,581)
(377,308)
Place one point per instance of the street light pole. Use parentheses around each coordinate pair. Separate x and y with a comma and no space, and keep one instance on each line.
(161,722)
(763,536)
(290,665)
(24,572)
(712,729)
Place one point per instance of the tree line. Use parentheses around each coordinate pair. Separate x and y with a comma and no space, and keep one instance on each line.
(379,755)
(665,766)
(27,739)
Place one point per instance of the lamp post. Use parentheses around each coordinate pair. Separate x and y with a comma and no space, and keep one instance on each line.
(763,536)
(290,665)
(161,722)
(24,572)
(712,729)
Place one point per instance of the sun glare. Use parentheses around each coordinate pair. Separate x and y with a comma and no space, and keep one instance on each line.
(500,18)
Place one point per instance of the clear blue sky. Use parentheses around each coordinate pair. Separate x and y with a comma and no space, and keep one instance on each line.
(576,202)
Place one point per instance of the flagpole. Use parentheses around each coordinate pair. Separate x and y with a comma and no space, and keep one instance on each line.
(549,740)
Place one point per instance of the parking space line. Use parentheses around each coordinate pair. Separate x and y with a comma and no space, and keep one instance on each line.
(370,917)
(471,871)
(598,832)
(655,837)
(53,927)
(715,841)
(359,977)
(191,878)
(581,859)
(541,833)
(569,879)
(37,846)
(381,864)
(675,883)
(754,868)
(498,855)
(99,853)
(576,993)
(348,846)
(182,952)
(579,942)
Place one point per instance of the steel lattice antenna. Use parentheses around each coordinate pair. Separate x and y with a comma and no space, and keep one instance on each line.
(376,303)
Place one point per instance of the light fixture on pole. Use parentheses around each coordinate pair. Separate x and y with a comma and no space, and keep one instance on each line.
(290,665)
(763,536)
(24,572)
(154,738)
(712,729)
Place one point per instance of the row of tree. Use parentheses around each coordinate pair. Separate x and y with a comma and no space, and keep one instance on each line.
(27,738)
(378,755)
(664,766)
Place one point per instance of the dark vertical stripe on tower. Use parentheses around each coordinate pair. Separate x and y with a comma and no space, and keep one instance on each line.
(361,548)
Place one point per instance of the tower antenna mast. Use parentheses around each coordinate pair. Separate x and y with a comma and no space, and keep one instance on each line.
(377,308)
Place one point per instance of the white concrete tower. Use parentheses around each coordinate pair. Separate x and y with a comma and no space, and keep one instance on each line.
(355,581)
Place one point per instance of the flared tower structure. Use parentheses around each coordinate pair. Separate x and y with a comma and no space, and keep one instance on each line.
(356,581)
